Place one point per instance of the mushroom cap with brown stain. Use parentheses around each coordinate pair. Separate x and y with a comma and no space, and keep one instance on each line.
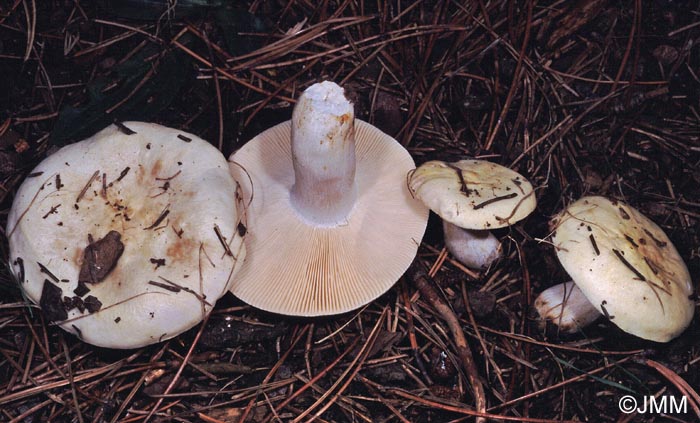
(473,194)
(132,211)
(296,268)
(626,266)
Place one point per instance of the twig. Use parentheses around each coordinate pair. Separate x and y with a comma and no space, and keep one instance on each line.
(424,284)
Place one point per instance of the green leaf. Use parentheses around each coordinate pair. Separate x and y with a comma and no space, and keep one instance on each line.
(598,379)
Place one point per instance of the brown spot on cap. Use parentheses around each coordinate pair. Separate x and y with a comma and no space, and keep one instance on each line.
(157,167)
(180,249)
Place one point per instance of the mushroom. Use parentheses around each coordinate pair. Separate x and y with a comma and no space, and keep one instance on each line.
(566,307)
(331,224)
(128,237)
(472,197)
(626,267)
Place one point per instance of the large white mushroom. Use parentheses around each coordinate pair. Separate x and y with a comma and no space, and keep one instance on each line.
(472,197)
(128,237)
(331,224)
(626,267)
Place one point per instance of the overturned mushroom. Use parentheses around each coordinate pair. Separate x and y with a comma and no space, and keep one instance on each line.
(626,267)
(473,196)
(129,237)
(331,224)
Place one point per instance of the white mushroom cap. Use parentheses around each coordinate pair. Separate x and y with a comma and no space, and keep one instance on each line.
(310,264)
(565,306)
(626,266)
(474,249)
(152,199)
(474,194)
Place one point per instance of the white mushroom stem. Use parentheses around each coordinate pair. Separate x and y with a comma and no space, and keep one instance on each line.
(323,155)
(565,306)
(476,249)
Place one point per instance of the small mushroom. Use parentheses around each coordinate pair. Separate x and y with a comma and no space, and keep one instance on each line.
(472,197)
(565,306)
(626,267)
(86,229)
(331,224)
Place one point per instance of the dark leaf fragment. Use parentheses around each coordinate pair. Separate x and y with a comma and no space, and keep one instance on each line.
(158,262)
(123,128)
(92,304)
(74,302)
(79,304)
(100,257)
(242,229)
(51,302)
(81,290)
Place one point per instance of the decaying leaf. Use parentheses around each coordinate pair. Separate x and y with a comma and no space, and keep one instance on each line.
(100,257)
(51,302)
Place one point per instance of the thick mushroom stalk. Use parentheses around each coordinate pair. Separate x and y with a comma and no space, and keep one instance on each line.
(476,249)
(567,307)
(323,155)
